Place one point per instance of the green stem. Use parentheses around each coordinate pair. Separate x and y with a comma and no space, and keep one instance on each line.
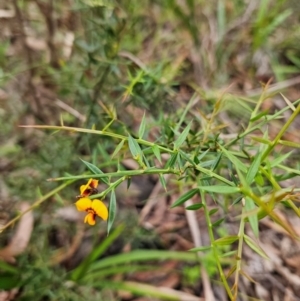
(239,255)
(213,175)
(214,247)
(37,203)
(120,174)
(281,132)
(257,107)
(259,125)
(111,187)
(243,134)
(97,132)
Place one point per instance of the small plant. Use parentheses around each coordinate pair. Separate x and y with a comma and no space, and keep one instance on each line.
(242,172)
(219,158)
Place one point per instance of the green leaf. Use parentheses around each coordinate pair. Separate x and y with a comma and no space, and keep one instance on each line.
(202,155)
(134,147)
(220,189)
(261,140)
(9,281)
(163,181)
(227,240)
(142,127)
(115,270)
(200,249)
(188,195)
(156,152)
(255,247)
(182,136)
(237,200)
(118,148)
(8,268)
(236,162)
(228,254)
(259,180)
(254,167)
(112,211)
(231,271)
(289,170)
(171,162)
(142,255)
(216,161)
(213,211)
(258,116)
(289,143)
(186,157)
(95,170)
(280,159)
(194,206)
(128,182)
(253,219)
(218,222)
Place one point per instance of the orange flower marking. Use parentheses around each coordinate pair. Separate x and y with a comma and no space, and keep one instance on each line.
(93,208)
(88,189)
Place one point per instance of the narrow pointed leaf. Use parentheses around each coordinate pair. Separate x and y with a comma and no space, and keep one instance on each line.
(163,181)
(171,162)
(253,219)
(254,168)
(231,271)
(188,195)
(128,182)
(200,249)
(156,152)
(255,247)
(142,127)
(228,254)
(217,161)
(182,136)
(194,206)
(218,222)
(236,162)
(227,240)
(258,116)
(213,211)
(112,211)
(220,189)
(95,170)
(134,147)
(118,148)
(280,159)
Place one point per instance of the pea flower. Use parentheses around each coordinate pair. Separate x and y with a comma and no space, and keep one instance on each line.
(88,189)
(93,208)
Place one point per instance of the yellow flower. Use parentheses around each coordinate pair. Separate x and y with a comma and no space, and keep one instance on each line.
(89,189)
(93,208)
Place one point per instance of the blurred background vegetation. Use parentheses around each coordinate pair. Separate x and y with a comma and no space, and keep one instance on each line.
(81,62)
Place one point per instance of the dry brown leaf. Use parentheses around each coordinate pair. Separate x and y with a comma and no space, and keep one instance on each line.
(21,237)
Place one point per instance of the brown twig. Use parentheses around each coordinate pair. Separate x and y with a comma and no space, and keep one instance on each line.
(196,235)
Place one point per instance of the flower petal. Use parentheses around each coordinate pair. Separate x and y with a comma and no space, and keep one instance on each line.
(94,183)
(85,187)
(83,204)
(90,219)
(100,209)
